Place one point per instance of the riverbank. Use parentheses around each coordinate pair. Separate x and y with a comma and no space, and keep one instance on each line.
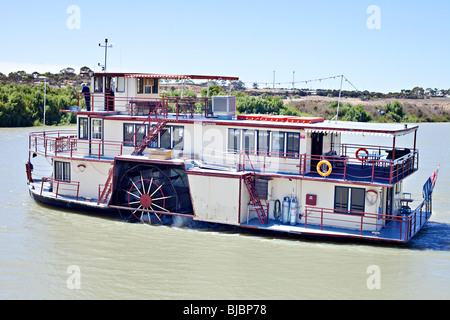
(21,105)
(425,110)
(429,109)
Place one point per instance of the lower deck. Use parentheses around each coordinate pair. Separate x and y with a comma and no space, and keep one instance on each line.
(400,228)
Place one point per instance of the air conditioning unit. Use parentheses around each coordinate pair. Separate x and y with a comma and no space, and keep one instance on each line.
(224,107)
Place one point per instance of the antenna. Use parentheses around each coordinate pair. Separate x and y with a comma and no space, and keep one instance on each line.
(106,46)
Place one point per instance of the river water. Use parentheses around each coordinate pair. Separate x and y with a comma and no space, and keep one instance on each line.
(54,254)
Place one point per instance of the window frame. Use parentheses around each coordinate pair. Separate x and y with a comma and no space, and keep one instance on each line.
(98,84)
(281,150)
(251,147)
(350,201)
(179,143)
(120,83)
(97,134)
(263,147)
(236,139)
(61,171)
(167,130)
(83,123)
(134,126)
(143,84)
(294,152)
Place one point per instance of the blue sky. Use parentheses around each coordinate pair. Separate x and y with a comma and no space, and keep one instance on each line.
(248,39)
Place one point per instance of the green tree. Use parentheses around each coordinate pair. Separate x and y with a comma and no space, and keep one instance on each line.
(356,113)
(214,90)
(395,111)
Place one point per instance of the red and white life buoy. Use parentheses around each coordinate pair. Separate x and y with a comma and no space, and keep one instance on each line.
(362,157)
(371,197)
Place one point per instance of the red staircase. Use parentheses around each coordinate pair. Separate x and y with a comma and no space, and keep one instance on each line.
(106,193)
(152,134)
(261,210)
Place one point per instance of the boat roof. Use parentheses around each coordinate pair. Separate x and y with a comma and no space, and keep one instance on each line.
(161,76)
(318,124)
(350,127)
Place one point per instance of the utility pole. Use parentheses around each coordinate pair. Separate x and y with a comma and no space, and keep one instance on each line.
(274,79)
(293,80)
(106,46)
(45,95)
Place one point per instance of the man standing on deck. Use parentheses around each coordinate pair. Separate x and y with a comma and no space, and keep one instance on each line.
(87,96)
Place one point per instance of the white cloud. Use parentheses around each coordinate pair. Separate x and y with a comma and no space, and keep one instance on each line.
(7,67)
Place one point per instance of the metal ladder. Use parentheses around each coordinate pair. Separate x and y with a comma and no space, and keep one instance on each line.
(254,197)
(106,193)
(160,123)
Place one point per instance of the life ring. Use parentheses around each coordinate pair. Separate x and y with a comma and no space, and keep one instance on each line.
(319,168)
(362,158)
(371,197)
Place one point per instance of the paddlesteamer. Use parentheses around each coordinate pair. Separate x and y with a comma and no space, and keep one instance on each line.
(139,155)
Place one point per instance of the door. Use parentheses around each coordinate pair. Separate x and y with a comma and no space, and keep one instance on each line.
(389,200)
(96,141)
(109,94)
(316,149)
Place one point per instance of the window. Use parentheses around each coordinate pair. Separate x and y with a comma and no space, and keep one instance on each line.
(178,141)
(292,144)
(97,129)
(141,133)
(349,200)
(128,134)
(249,141)
(147,85)
(98,84)
(140,85)
(263,142)
(165,138)
(234,140)
(62,171)
(341,199)
(83,128)
(278,143)
(120,84)
(128,131)
(155,86)
(170,137)
(357,199)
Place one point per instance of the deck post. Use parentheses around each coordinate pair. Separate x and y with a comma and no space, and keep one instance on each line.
(393,149)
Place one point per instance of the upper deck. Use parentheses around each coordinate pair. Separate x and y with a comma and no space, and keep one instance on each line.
(126,115)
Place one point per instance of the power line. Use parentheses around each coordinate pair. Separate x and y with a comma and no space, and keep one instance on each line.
(303,81)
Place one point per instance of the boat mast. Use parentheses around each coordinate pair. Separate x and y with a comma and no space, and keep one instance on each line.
(106,46)
(339,99)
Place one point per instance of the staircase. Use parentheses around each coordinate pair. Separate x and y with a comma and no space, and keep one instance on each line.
(152,134)
(261,211)
(106,193)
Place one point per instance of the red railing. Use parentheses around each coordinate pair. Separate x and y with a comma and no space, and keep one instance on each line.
(371,169)
(385,226)
(180,107)
(65,144)
(61,188)
(418,217)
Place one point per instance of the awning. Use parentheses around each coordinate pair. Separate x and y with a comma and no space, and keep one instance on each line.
(162,76)
(179,76)
(360,128)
